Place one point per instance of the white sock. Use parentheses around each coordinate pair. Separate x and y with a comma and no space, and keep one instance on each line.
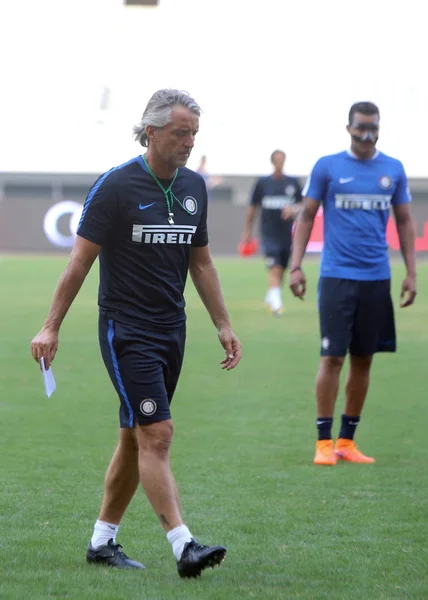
(268,296)
(178,537)
(275,298)
(103,532)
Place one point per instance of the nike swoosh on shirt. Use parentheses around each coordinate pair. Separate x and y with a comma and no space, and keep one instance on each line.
(346,179)
(143,206)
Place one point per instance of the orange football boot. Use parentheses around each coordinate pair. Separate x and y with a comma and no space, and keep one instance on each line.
(324,453)
(348,450)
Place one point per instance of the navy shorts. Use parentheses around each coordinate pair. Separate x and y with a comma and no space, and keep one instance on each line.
(276,254)
(355,316)
(144,367)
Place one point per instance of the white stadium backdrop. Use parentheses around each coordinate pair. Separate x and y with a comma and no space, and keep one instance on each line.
(267,74)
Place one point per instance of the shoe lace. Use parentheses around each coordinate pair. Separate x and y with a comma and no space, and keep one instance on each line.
(325,446)
(117,549)
(354,448)
(200,546)
(194,545)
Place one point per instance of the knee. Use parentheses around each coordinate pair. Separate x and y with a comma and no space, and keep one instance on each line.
(361,363)
(333,363)
(156,437)
(128,441)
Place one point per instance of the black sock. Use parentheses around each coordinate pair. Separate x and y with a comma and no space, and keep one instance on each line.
(349,425)
(324,425)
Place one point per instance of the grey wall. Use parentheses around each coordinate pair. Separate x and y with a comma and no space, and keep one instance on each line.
(38,211)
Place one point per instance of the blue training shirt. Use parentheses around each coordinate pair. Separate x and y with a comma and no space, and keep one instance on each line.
(356,196)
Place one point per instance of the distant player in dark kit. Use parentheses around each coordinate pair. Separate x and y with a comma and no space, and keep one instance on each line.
(357,189)
(147,221)
(278,195)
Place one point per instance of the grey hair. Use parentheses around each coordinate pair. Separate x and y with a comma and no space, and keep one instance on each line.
(158,111)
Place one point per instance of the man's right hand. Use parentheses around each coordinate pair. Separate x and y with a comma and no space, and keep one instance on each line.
(45,344)
(298,283)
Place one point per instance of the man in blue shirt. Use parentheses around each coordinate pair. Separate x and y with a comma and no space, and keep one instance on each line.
(356,188)
(147,222)
(278,196)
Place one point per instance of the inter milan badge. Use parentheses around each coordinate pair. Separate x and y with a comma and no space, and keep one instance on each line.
(290,190)
(190,205)
(148,407)
(385,182)
(325,343)
(270,261)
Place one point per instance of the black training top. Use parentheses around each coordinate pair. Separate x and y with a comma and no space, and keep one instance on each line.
(144,259)
(273,195)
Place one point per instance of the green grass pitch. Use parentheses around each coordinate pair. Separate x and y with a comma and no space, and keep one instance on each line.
(242,455)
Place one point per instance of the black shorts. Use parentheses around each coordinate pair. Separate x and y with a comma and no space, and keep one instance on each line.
(276,254)
(144,367)
(355,316)
(277,259)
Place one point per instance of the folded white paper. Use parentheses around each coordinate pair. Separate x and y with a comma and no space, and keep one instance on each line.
(48,379)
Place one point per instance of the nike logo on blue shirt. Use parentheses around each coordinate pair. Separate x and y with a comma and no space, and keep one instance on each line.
(143,206)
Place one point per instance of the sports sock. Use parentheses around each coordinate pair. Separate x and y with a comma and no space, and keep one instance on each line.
(178,537)
(349,425)
(324,425)
(103,532)
(268,296)
(275,298)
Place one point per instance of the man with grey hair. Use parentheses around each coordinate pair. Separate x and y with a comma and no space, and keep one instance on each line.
(147,221)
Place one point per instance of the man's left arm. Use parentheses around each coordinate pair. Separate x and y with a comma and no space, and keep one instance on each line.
(298,201)
(291,211)
(406,235)
(206,281)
